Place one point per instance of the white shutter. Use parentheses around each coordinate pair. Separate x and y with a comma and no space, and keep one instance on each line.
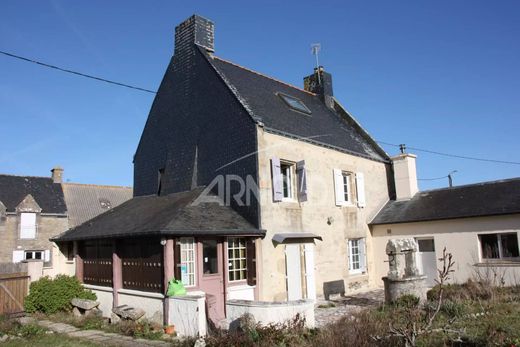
(301,174)
(47,255)
(28,225)
(277,179)
(309,271)
(18,256)
(338,187)
(360,189)
(349,254)
(362,255)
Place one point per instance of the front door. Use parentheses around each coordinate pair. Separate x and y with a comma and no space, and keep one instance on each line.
(212,277)
(426,260)
(299,262)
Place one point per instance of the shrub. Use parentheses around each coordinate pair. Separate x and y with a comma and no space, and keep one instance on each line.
(406,301)
(49,295)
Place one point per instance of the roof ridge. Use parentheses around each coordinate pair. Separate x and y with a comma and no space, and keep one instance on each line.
(26,176)
(261,74)
(96,185)
(471,184)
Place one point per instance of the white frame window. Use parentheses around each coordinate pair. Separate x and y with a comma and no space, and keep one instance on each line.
(237,259)
(188,261)
(503,246)
(346,187)
(287,171)
(28,255)
(343,187)
(356,256)
(28,225)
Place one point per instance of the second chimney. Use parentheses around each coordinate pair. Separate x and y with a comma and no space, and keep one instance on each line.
(320,82)
(405,176)
(194,30)
(57,174)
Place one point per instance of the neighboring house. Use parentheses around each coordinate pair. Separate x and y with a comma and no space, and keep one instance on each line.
(35,209)
(32,210)
(291,165)
(478,223)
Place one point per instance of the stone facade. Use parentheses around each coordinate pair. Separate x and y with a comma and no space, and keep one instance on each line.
(314,215)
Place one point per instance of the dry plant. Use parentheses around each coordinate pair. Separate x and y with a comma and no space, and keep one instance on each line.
(418,321)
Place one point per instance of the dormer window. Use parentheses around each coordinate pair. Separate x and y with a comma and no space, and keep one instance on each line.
(294,103)
(27,225)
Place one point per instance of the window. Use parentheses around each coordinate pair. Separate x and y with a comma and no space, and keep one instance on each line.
(186,249)
(357,257)
(27,225)
(33,255)
(209,257)
(70,251)
(294,103)
(343,187)
(287,180)
(426,245)
(346,187)
(499,246)
(237,259)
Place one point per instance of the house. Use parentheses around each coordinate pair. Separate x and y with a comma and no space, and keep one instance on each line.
(32,210)
(245,188)
(35,209)
(478,223)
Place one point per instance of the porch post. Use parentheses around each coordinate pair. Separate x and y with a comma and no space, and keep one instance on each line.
(169,273)
(117,274)
(78,261)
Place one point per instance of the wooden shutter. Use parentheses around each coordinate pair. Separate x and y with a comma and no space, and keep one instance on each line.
(360,189)
(277,179)
(338,187)
(251,262)
(18,256)
(301,174)
(362,255)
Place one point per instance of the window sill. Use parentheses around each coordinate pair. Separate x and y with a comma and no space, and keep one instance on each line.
(357,273)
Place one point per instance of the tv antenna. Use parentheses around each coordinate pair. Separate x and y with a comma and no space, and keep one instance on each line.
(315,49)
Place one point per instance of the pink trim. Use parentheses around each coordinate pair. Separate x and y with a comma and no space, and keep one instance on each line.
(117,275)
(168,263)
(79,262)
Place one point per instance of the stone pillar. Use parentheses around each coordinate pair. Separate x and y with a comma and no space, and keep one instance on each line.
(169,272)
(117,274)
(34,269)
(79,262)
(411,264)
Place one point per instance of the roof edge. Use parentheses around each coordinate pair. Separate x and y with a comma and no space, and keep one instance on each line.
(446,218)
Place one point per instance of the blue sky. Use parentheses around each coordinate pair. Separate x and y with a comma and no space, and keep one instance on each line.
(439,75)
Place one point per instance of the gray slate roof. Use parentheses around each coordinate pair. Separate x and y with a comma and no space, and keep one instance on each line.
(474,200)
(259,96)
(163,215)
(47,194)
(86,201)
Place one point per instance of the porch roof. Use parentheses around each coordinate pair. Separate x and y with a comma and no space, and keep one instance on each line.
(173,214)
(288,237)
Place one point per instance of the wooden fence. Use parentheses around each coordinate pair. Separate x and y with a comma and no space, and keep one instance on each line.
(13,290)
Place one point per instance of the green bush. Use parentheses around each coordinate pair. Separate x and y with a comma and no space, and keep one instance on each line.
(407,301)
(49,295)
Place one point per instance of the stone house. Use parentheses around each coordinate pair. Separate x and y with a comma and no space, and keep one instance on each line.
(35,209)
(478,223)
(245,188)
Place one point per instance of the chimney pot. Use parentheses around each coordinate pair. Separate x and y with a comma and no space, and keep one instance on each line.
(57,174)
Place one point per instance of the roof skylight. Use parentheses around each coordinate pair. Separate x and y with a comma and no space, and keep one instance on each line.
(294,103)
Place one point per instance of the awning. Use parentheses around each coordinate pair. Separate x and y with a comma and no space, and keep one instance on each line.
(294,237)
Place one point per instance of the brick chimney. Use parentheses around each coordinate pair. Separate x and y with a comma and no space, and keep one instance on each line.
(405,176)
(194,30)
(320,82)
(57,174)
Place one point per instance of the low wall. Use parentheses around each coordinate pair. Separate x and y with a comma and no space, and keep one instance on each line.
(271,312)
(241,292)
(151,303)
(104,296)
(188,314)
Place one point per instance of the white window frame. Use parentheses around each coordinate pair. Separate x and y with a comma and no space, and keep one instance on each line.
(287,171)
(343,188)
(28,231)
(188,256)
(347,191)
(358,245)
(232,259)
(500,250)
(33,254)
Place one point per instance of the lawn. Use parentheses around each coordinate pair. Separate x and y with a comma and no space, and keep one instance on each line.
(46,340)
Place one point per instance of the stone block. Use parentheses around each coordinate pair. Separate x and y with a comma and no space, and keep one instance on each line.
(127,312)
(84,304)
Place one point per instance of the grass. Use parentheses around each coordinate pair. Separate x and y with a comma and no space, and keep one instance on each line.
(55,340)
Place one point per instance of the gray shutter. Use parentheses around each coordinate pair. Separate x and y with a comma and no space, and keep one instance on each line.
(338,187)
(277,179)
(301,174)
(360,189)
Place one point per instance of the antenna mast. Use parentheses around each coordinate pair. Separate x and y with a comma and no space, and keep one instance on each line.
(315,49)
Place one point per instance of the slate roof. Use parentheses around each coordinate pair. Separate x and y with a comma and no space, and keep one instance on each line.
(259,96)
(474,200)
(163,215)
(48,195)
(86,201)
